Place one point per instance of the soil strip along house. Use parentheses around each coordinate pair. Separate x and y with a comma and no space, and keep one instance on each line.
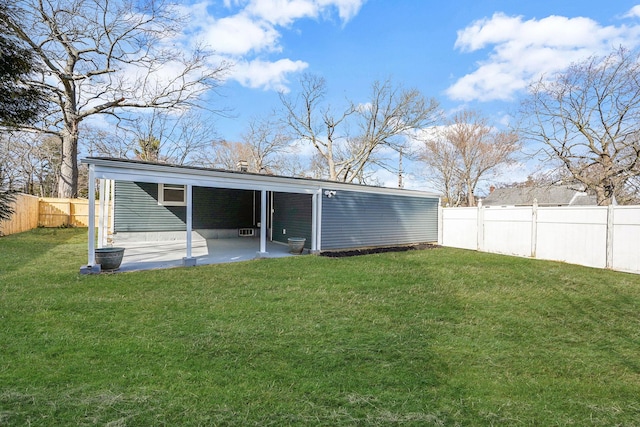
(156,202)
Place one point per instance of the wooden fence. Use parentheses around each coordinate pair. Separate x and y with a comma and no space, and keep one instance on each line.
(25,217)
(32,212)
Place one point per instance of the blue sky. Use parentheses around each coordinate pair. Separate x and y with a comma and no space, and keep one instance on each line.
(465,53)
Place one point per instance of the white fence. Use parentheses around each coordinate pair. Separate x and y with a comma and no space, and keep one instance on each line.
(594,236)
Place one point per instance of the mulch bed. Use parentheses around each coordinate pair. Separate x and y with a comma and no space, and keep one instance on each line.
(367,251)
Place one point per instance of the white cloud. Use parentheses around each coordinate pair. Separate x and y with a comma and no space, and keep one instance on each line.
(523,50)
(241,35)
(283,12)
(251,33)
(347,9)
(268,75)
(633,13)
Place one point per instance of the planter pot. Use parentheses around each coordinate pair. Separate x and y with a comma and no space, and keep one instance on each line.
(109,258)
(296,244)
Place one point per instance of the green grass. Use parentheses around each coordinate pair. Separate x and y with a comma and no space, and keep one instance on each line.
(436,337)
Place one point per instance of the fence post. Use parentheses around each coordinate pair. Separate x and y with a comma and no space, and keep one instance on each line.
(440,223)
(534,228)
(480,242)
(609,261)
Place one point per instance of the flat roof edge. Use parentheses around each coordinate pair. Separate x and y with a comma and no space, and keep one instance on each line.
(150,168)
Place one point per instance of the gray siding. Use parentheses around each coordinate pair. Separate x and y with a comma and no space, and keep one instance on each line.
(292,212)
(137,209)
(354,219)
(222,208)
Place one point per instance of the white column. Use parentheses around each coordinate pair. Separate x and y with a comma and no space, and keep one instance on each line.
(103,212)
(189,260)
(314,222)
(100,211)
(92,218)
(111,209)
(319,221)
(263,223)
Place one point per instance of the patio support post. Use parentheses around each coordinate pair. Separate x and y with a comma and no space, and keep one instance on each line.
(91,266)
(189,261)
(263,225)
(319,221)
(103,212)
(314,220)
(92,217)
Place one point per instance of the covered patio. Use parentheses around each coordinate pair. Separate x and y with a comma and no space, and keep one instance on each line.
(172,215)
(169,254)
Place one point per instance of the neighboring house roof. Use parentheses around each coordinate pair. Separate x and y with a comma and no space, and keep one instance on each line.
(546,196)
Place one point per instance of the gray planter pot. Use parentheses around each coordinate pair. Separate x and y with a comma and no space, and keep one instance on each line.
(296,244)
(109,258)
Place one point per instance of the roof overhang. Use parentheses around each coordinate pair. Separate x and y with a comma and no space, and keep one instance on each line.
(138,171)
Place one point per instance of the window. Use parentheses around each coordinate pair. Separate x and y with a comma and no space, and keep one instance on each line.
(172,195)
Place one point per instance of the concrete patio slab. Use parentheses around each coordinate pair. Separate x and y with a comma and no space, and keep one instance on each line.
(168,254)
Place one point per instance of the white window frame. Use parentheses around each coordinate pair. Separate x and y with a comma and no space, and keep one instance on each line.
(162,202)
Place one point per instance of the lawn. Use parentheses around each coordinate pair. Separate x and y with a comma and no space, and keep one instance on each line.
(434,337)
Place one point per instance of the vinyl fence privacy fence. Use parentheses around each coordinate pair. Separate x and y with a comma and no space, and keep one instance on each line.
(594,236)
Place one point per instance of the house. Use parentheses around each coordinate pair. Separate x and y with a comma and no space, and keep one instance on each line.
(545,196)
(156,202)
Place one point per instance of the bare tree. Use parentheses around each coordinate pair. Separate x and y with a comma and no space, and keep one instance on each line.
(441,157)
(384,121)
(265,148)
(227,155)
(269,145)
(588,119)
(108,57)
(465,151)
(30,163)
(182,137)
(107,143)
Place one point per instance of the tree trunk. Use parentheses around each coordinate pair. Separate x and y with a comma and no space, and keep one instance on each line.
(68,180)
(471,200)
(601,196)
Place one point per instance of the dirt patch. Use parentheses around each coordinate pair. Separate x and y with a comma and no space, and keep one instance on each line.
(378,250)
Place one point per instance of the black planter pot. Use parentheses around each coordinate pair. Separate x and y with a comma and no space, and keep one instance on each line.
(109,258)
